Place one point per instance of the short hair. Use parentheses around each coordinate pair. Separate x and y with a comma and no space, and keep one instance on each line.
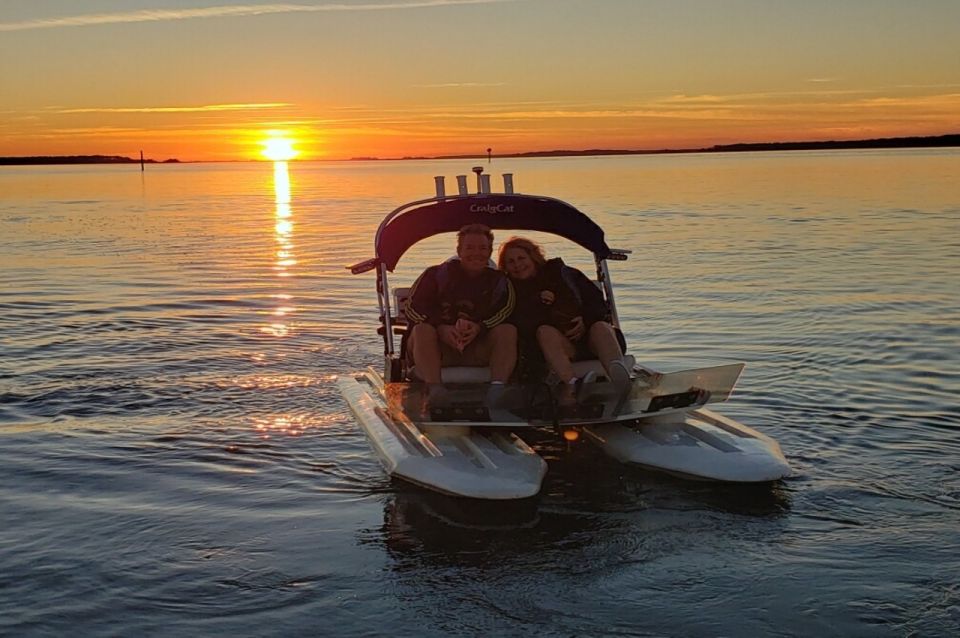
(474,229)
(532,248)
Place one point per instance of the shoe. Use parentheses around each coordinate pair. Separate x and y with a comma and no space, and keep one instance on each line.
(589,377)
(619,375)
(495,395)
(495,404)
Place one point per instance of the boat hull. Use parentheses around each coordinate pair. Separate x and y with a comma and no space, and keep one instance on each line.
(461,460)
(699,444)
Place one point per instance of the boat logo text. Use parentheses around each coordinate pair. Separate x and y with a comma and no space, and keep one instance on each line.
(491,208)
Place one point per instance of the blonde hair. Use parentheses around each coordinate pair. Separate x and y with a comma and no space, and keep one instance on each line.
(532,248)
(474,229)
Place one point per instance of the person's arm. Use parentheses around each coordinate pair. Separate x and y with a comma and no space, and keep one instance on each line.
(504,299)
(593,307)
(422,304)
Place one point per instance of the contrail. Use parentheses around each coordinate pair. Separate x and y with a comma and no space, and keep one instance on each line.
(162,15)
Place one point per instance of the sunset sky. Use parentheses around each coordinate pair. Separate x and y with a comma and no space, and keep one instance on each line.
(209,80)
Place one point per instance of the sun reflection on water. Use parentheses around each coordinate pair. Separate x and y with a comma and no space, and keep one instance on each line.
(293,424)
(285,260)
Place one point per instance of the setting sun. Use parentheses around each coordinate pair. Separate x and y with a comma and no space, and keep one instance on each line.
(278,149)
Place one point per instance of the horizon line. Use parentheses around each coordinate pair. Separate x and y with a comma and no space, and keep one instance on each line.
(878,142)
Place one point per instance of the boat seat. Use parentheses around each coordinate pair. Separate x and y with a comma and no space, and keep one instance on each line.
(580,368)
(458,374)
(481,374)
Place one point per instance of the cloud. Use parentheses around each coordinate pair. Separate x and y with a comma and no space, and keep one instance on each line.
(177,109)
(226,11)
(458,85)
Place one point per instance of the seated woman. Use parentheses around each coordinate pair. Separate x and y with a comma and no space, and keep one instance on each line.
(563,310)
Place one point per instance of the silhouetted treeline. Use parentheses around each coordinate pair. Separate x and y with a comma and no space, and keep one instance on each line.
(78,159)
(886,142)
(935,141)
(883,142)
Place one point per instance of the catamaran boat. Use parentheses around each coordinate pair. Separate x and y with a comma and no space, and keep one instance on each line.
(464,443)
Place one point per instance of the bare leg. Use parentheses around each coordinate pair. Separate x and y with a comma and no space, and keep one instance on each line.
(503,351)
(603,343)
(426,352)
(557,350)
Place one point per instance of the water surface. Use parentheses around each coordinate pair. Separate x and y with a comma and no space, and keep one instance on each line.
(175,458)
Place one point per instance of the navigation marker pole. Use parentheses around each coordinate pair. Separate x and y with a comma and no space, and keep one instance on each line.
(141,161)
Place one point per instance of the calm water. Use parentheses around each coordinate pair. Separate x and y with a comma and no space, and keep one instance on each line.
(175,458)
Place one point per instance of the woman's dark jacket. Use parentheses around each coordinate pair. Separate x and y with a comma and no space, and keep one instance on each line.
(555,296)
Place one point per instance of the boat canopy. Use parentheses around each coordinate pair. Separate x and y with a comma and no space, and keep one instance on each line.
(404,228)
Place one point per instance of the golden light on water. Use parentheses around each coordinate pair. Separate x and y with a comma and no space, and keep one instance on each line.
(294,424)
(281,189)
(283,226)
(284,258)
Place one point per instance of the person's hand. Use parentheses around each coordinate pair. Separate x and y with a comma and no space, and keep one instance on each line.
(576,329)
(468,331)
(449,335)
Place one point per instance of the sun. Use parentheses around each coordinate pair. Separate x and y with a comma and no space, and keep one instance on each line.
(278,148)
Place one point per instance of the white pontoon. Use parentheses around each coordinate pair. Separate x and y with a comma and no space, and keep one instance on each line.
(466,446)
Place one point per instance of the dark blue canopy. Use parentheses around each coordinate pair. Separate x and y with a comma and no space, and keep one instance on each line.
(510,212)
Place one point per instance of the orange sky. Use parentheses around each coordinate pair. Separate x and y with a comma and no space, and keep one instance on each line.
(201,80)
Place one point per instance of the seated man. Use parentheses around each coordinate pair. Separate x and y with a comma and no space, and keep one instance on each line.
(457,310)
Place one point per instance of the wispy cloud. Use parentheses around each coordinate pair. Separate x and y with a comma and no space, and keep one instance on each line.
(458,85)
(177,109)
(226,11)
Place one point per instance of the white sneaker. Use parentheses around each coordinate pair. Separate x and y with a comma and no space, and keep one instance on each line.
(495,395)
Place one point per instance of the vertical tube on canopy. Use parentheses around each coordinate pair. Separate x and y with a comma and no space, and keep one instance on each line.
(383,290)
(441,189)
(462,184)
(508,183)
(485,184)
(604,273)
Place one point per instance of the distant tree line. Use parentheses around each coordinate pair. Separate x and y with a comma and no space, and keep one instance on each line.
(887,142)
(884,142)
(78,159)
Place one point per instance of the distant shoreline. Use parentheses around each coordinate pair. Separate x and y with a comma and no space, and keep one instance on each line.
(78,159)
(935,141)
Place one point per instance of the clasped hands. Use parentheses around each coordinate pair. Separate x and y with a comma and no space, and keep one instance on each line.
(576,329)
(459,335)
